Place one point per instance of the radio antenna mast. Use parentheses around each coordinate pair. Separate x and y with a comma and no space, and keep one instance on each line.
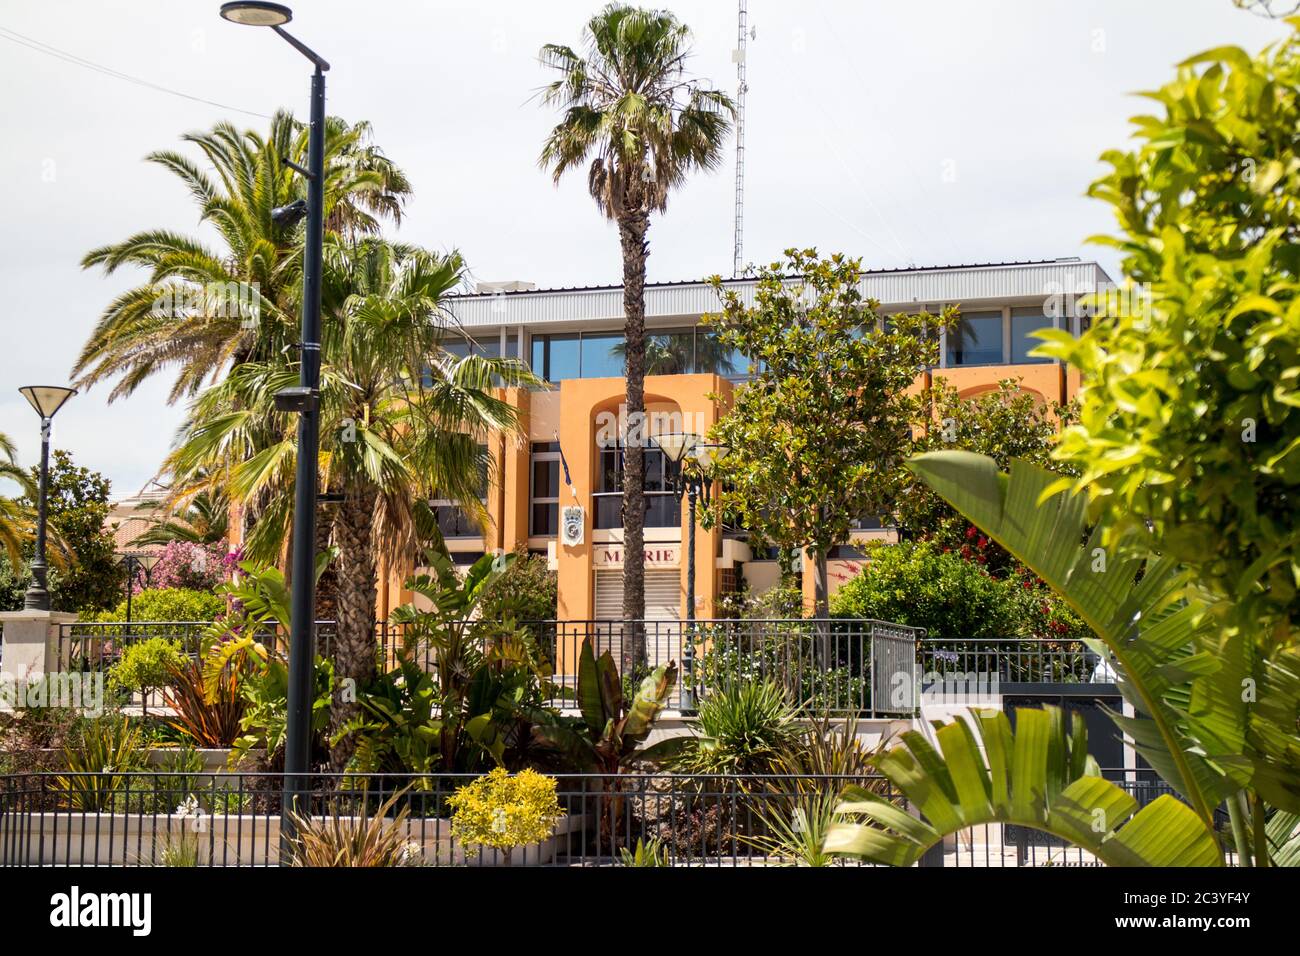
(743,35)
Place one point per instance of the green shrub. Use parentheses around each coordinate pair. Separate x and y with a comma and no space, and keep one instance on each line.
(921,586)
(504,812)
(145,666)
(104,748)
(743,728)
(525,591)
(168,604)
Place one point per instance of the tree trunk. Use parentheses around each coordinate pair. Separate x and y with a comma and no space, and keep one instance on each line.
(354,651)
(632,236)
(821,594)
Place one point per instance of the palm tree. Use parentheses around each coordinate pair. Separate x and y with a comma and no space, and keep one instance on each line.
(641,126)
(202,519)
(204,309)
(14,516)
(401,419)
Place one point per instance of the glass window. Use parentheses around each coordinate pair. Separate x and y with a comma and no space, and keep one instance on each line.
(602,355)
(976,340)
(712,357)
(670,353)
(453,521)
(1023,322)
(556,357)
(544,519)
(663,505)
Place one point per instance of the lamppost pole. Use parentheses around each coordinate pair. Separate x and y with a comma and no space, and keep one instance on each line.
(46,399)
(305,400)
(694,459)
(38,595)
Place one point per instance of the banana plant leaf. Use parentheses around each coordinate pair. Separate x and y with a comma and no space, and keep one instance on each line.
(1180,671)
(1037,775)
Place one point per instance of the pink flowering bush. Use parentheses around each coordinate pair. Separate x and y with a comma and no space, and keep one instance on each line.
(194,567)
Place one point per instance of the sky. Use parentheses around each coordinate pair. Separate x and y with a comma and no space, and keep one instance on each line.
(903,132)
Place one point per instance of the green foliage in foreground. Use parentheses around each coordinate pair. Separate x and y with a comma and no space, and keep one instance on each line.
(1036,776)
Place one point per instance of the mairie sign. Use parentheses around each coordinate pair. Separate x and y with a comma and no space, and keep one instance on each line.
(656,556)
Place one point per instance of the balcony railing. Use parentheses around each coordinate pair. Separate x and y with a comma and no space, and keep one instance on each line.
(663,509)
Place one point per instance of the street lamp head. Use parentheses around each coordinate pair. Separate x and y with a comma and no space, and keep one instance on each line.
(47,399)
(290,215)
(677,445)
(251,13)
(708,456)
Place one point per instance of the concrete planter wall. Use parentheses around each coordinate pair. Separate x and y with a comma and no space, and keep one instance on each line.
(59,838)
(215,760)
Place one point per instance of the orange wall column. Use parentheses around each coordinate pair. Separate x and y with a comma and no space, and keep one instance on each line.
(517,488)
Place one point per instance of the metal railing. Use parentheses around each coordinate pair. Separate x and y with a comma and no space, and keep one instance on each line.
(837,666)
(233,819)
(86,647)
(1013,660)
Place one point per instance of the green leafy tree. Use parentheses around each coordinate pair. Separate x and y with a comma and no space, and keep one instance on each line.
(1004,423)
(819,434)
(1213,714)
(1189,423)
(641,126)
(84,575)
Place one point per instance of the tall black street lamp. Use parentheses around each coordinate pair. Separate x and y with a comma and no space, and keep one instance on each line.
(696,460)
(135,564)
(304,399)
(47,400)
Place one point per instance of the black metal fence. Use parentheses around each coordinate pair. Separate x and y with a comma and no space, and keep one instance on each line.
(233,820)
(837,666)
(1012,660)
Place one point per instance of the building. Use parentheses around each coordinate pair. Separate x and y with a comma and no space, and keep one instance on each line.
(572,338)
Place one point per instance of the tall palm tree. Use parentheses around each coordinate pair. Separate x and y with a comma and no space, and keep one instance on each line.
(15,519)
(206,308)
(401,419)
(641,125)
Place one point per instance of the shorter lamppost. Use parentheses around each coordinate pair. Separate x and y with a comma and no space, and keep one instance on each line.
(696,462)
(136,563)
(47,400)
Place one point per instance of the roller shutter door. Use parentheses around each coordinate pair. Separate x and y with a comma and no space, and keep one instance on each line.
(663,597)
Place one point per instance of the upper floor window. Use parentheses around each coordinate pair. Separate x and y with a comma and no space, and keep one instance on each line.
(663,505)
(544,503)
(976,340)
(604,355)
(453,520)
(1024,322)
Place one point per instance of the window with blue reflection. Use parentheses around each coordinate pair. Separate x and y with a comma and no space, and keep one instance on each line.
(976,340)
(1023,323)
(556,357)
(712,357)
(670,352)
(602,355)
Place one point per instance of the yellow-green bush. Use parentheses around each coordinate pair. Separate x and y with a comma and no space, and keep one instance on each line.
(503,811)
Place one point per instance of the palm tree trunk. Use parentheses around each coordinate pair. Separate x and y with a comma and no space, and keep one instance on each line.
(632,230)
(354,643)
